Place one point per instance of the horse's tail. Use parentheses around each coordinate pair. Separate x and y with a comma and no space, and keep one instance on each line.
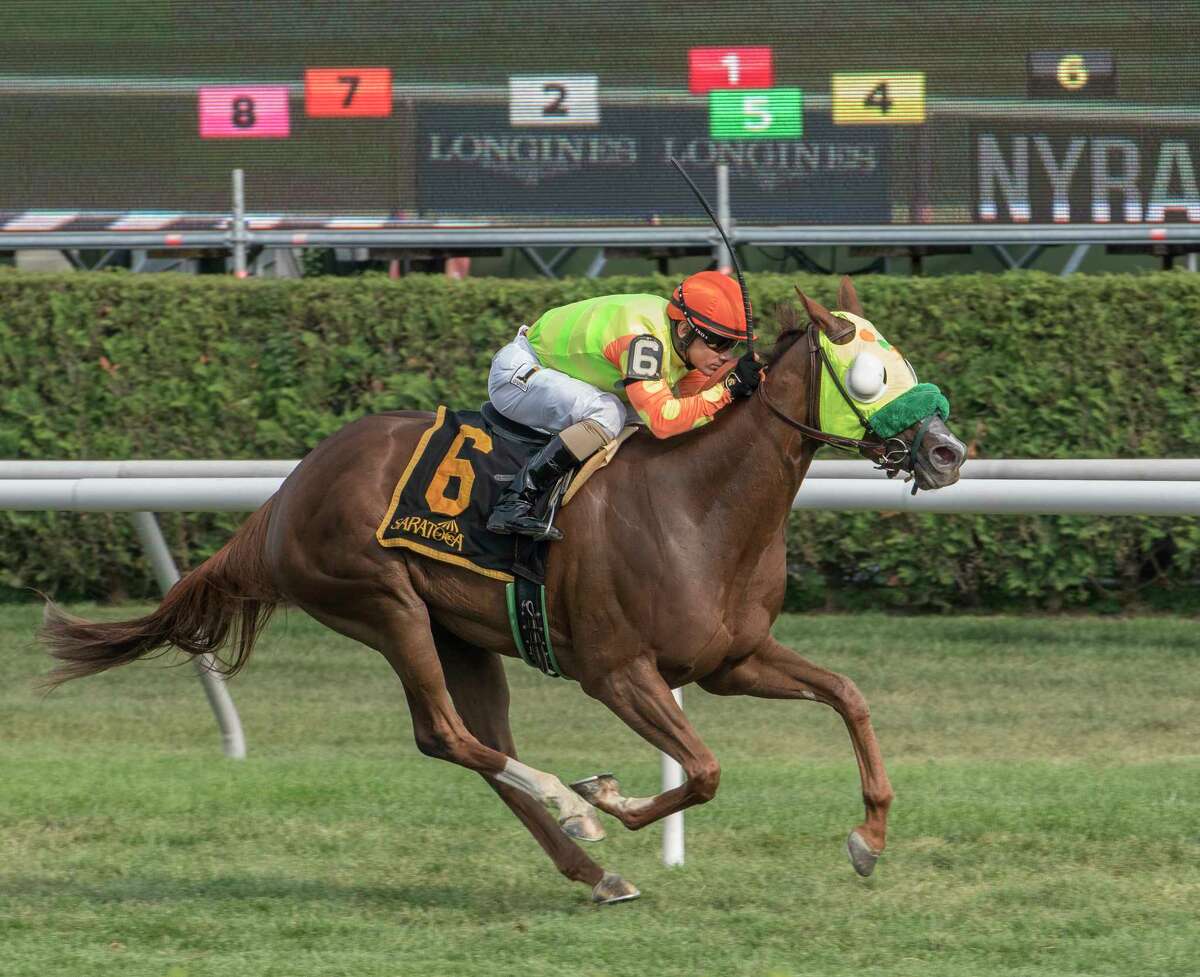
(229,595)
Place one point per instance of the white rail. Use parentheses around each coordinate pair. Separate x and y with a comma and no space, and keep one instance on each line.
(998,496)
(1083,469)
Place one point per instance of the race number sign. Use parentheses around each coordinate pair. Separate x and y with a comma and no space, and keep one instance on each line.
(1070,74)
(773,113)
(729,67)
(331,93)
(553,100)
(244,112)
(879,98)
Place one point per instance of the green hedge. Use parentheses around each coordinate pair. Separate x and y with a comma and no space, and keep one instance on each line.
(111,366)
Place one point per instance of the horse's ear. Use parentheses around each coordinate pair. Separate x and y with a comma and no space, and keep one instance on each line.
(848,298)
(838,330)
(785,315)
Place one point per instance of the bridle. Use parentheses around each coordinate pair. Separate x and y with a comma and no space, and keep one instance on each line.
(891,455)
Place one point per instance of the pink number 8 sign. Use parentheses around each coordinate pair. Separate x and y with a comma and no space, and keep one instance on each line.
(244,112)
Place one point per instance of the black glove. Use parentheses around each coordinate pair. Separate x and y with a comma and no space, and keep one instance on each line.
(743,379)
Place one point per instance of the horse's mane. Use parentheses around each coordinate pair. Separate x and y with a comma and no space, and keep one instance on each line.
(789,322)
(787,339)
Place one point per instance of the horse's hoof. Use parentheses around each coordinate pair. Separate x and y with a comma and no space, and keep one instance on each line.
(862,856)
(612,889)
(597,788)
(583,827)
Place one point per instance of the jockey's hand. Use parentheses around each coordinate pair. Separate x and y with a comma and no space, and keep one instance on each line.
(743,381)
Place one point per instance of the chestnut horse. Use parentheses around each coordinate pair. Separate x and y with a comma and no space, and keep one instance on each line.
(671,572)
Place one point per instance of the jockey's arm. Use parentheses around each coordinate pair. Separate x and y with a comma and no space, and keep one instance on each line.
(695,381)
(667,415)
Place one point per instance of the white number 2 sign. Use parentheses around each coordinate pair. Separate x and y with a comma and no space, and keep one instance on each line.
(553,100)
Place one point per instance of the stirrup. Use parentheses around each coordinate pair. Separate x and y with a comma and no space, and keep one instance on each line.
(522,524)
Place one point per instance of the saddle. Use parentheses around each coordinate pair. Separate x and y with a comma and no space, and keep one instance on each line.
(441,503)
(574,480)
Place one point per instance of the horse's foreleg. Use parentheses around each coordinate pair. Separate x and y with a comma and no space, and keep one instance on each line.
(640,697)
(777,672)
(479,688)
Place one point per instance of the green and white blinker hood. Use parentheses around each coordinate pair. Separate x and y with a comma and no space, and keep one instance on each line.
(875,386)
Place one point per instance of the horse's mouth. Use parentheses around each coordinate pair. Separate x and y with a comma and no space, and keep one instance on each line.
(939,458)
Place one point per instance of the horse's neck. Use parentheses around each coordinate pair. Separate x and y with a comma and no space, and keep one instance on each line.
(750,465)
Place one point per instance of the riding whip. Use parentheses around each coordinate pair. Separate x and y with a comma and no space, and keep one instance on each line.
(737,269)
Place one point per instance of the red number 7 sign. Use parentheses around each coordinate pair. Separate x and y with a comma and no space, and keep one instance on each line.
(342,92)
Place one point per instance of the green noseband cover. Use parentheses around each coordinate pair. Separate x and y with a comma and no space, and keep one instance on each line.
(911,406)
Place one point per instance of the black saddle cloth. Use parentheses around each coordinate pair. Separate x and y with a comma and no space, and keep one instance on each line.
(441,504)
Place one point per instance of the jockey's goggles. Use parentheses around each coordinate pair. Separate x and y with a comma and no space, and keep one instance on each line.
(718,344)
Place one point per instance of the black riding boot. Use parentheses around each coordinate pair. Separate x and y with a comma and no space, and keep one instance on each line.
(513,512)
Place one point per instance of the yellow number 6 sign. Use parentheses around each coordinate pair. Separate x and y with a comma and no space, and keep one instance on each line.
(1072,72)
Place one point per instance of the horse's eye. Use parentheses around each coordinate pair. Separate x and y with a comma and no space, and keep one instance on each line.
(867,378)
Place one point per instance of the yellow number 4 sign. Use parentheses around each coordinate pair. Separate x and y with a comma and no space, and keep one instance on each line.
(879,98)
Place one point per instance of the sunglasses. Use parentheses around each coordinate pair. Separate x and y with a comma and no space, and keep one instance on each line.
(718,344)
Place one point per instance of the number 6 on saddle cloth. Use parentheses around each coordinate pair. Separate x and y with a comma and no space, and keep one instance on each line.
(441,503)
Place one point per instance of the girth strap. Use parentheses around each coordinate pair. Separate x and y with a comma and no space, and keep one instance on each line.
(530,625)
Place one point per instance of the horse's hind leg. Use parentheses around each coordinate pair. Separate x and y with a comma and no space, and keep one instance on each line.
(398,626)
(479,689)
(776,672)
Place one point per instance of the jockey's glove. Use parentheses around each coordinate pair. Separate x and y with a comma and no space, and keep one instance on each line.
(743,379)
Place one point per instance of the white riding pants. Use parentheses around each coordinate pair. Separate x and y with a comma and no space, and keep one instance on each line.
(526,392)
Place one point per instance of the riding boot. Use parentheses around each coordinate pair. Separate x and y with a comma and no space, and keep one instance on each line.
(514,511)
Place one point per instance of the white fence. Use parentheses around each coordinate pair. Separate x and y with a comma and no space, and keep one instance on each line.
(1076,487)
(1086,487)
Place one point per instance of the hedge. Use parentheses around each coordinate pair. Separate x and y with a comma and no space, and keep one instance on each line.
(113,365)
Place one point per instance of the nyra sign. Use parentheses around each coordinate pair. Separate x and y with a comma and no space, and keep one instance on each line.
(1058,176)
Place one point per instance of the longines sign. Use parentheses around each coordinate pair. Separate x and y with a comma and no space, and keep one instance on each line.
(473,164)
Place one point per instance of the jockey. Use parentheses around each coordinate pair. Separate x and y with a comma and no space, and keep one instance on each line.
(572,372)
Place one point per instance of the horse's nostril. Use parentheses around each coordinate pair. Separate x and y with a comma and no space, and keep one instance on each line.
(944,457)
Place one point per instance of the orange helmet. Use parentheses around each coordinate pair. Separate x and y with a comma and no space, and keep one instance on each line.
(711,303)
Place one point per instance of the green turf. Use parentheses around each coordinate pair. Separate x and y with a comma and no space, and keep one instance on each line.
(1046,820)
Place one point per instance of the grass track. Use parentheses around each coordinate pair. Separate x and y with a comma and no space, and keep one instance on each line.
(1047,820)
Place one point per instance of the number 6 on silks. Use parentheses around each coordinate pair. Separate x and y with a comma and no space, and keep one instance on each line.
(644,359)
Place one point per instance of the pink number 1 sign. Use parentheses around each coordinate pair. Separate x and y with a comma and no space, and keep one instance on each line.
(244,112)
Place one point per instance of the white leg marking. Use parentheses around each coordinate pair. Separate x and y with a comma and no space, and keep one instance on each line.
(546,788)
(634,805)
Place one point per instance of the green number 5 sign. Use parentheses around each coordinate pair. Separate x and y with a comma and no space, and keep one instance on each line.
(768,113)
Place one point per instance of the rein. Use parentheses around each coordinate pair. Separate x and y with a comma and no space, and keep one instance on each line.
(891,461)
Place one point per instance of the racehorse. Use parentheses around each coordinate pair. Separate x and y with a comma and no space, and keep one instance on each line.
(672,572)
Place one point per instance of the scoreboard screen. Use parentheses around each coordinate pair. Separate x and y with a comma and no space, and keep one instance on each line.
(382,112)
